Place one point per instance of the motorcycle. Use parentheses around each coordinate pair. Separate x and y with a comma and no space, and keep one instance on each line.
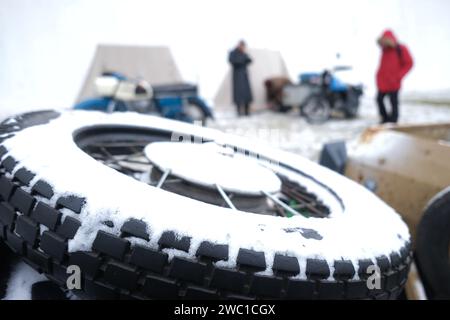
(320,94)
(117,93)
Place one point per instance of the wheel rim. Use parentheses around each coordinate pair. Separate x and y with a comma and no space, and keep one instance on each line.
(122,149)
(316,110)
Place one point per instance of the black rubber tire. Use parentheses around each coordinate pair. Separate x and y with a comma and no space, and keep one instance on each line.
(115,269)
(320,103)
(199,119)
(433,245)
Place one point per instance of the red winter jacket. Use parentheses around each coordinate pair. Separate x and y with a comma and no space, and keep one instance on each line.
(395,64)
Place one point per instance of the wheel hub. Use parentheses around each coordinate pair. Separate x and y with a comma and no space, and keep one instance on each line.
(210,166)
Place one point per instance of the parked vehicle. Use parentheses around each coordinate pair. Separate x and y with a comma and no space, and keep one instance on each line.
(174,101)
(320,94)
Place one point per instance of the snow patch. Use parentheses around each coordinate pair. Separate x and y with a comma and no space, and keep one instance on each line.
(22,279)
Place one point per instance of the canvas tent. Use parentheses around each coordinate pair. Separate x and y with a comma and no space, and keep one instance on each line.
(154,64)
(266,64)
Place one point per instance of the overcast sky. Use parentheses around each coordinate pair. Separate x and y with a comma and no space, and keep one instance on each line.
(46,45)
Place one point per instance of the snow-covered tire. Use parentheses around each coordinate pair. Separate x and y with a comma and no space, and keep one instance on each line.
(60,207)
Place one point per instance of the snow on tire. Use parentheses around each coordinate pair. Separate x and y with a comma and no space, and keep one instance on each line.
(79,188)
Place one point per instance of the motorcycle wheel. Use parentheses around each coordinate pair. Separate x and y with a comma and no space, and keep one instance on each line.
(316,109)
(194,113)
(77,189)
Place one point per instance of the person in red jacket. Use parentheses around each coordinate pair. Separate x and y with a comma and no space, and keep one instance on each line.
(396,62)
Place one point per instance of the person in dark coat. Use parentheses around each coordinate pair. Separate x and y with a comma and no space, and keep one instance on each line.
(242,93)
(396,62)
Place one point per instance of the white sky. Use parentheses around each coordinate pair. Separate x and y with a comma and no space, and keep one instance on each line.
(46,45)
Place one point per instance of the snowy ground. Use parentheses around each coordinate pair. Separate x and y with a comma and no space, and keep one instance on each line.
(292,133)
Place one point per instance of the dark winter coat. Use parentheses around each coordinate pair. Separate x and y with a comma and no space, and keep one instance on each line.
(395,64)
(242,93)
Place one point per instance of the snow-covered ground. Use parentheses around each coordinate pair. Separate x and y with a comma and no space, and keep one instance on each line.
(292,133)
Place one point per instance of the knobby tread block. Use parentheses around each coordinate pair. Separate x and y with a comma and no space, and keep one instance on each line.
(89,262)
(343,269)
(27,229)
(72,202)
(213,251)
(6,188)
(9,164)
(43,189)
(253,259)
(3,151)
(59,274)
(396,260)
(16,243)
(22,201)
(404,252)
(391,280)
(46,215)
(286,265)
(148,259)
(331,290)
(24,176)
(356,289)
(7,214)
(364,264)
(160,288)
(187,270)
(228,279)
(317,269)
(3,138)
(383,263)
(110,244)
(100,291)
(170,240)
(53,245)
(135,228)
(266,286)
(40,260)
(68,228)
(121,275)
(300,289)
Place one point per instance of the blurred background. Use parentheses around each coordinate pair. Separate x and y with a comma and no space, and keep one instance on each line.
(46,46)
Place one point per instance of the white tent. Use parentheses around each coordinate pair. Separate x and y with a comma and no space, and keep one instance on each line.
(266,64)
(154,64)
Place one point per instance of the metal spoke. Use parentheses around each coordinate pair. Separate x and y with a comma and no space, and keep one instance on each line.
(129,159)
(163,178)
(225,197)
(280,203)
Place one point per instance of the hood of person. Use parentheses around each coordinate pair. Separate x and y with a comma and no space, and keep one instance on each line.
(388,39)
